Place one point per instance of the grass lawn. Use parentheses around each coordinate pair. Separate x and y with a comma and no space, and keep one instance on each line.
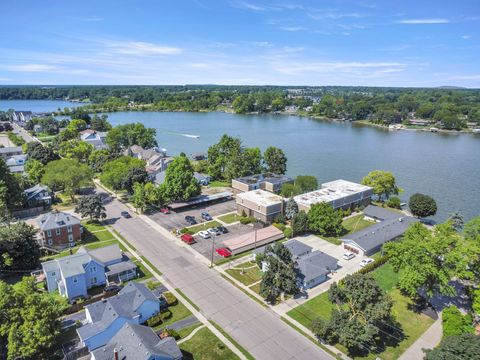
(229,218)
(204,345)
(102,235)
(179,312)
(93,226)
(220,184)
(236,344)
(412,324)
(204,226)
(356,223)
(249,276)
(143,273)
(183,333)
(231,258)
(98,245)
(332,240)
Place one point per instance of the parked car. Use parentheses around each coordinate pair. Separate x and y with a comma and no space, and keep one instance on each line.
(126,214)
(165,210)
(204,234)
(366,261)
(213,231)
(112,288)
(348,255)
(206,216)
(223,252)
(190,219)
(222,229)
(188,239)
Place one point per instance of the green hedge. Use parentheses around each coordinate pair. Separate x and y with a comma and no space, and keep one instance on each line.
(288,232)
(372,266)
(170,298)
(186,231)
(155,320)
(455,323)
(246,220)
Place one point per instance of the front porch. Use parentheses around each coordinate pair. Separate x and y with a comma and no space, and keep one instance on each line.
(123,271)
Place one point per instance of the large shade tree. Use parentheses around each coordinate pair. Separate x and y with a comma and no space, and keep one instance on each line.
(115,172)
(123,136)
(422,205)
(382,182)
(459,347)
(19,249)
(180,182)
(275,160)
(91,206)
(325,220)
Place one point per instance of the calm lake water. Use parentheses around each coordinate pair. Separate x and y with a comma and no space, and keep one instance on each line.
(446,167)
(36,105)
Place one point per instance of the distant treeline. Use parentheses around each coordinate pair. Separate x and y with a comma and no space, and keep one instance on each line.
(449,108)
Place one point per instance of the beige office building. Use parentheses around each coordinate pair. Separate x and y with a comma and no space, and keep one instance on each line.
(260,204)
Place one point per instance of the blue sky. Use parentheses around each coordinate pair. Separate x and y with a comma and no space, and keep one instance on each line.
(284,42)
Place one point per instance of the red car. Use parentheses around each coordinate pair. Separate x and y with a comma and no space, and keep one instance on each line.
(187,238)
(165,210)
(223,252)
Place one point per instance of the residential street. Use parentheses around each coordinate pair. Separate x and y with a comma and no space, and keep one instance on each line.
(259,330)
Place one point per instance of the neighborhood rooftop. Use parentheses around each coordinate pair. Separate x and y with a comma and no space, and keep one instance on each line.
(314,265)
(380,213)
(269,177)
(55,219)
(261,197)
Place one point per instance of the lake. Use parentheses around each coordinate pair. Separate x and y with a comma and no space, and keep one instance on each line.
(36,105)
(445,166)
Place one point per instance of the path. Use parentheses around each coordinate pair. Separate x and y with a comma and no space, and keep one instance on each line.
(430,339)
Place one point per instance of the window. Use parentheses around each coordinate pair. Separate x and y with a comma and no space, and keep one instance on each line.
(50,242)
(69,228)
(75,280)
(93,280)
(53,273)
(49,233)
(93,269)
(70,237)
(57,231)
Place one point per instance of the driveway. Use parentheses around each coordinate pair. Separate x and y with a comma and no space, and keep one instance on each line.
(260,331)
(176,220)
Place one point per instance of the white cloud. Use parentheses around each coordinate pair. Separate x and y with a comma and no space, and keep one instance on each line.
(92,19)
(291,49)
(143,48)
(334,15)
(292,28)
(247,6)
(466,37)
(32,68)
(422,21)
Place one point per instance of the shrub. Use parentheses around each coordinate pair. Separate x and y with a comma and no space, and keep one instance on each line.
(166,314)
(186,231)
(155,320)
(280,219)
(152,284)
(394,202)
(280,227)
(372,266)
(170,298)
(288,232)
(454,323)
(169,332)
(246,220)
(422,205)
(244,214)
(347,212)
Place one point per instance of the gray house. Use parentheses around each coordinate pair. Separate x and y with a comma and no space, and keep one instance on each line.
(38,195)
(314,267)
(377,213)
(137,342)
(370,240)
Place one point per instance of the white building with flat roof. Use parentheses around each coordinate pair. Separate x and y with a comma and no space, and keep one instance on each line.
(260,204)
(339,193)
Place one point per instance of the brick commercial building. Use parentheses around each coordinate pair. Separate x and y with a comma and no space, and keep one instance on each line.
(260,204)
(59,230)
(339,193)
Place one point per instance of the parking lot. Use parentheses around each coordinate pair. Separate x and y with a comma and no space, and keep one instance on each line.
(204,246)
(176,220)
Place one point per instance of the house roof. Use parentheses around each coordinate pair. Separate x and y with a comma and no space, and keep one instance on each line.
(120,267)
(267,177)
(134,341)
(260,197)
(380,213)
(297,247)
(315,264)
(10,149)
(34,190)
(373,236)
(104,254)
(54,220)
(125,304)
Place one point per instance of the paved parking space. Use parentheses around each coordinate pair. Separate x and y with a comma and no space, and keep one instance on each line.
(176,220)
(204,246)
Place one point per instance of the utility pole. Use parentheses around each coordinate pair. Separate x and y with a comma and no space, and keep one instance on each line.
(213,248)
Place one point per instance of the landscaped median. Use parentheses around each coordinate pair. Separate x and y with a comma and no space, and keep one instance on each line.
(412,324)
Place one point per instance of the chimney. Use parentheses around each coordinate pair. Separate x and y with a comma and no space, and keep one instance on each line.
(115,354)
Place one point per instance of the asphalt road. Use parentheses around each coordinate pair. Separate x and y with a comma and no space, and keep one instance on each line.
(259,330)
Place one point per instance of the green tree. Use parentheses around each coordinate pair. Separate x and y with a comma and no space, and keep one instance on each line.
(253,161)
(306,183)
(44,154)
(91,206)
(422,205)
(114,172)
(289,190)
(67,175)
(138,197)
(382,182)
(34,170)
(100,123)
(226,158)
(12,196)
(300,223)
(123,136)
(280,277)
(394,202)
(133,176)
(455,323)
(97,159)
(19,245)
(456,219)
(460,347)
(427,260)
(275,160)
(153,195)
(30,323)
(180,184)
(76,149)
(291,209)
(77,125)
(472,229)
(362,312)
(325,220)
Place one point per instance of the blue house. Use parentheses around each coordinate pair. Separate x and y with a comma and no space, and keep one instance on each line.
(73,275)
(134,304)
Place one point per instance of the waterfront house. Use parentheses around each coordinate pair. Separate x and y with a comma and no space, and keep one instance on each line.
(95,138)
(138,342)
(156,159)
(59,229)
(269,182)
(134,304)
(73,275)
(38,195)
(340,194)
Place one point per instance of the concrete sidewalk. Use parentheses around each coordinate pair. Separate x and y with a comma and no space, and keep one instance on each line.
(430,339)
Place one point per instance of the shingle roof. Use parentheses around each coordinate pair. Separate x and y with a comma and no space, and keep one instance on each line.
(55,220)
(297,247)
(34,190)
(120,267)
(73,265)
(125,304)
(380,213)
(134,342)
(315,264)
(107,254)
(10,149)
(377,234)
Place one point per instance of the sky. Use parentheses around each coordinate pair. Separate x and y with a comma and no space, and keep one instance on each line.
(422,43)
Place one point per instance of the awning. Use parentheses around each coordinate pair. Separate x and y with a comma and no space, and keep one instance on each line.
(121,267)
